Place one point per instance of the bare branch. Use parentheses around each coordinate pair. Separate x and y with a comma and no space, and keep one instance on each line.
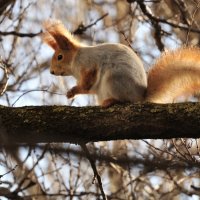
(2,175)
(169,22)
(83,28)
(4,81)
(96,174)
(20,34)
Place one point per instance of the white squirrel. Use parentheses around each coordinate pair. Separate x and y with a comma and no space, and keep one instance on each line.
(116,74)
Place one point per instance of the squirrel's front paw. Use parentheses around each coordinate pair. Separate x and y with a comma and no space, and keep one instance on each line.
(72,92)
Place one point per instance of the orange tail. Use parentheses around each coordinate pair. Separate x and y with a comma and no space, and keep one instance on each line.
(175,74)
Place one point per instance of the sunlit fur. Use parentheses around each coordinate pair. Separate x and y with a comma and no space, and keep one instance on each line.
(175,74)
(62,41)
(56,29)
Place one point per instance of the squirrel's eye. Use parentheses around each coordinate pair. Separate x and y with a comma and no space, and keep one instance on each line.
(60,57)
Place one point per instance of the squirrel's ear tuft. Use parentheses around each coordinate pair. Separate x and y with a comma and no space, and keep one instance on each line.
(48,39)
(60,34)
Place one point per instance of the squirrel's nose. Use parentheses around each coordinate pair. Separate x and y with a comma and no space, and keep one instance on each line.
(52,72)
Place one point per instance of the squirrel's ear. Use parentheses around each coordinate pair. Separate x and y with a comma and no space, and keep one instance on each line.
(61,35)
(63,42)
(48,39)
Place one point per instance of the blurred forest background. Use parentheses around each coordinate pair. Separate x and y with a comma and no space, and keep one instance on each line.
(141,170)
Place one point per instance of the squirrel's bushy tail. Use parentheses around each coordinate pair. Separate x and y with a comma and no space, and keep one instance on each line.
(175,74)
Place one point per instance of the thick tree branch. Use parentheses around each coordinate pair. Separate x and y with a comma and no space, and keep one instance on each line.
(91,124)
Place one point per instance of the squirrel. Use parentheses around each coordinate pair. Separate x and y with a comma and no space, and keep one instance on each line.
(116,74)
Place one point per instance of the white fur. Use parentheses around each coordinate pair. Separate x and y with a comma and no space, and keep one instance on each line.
(120,72)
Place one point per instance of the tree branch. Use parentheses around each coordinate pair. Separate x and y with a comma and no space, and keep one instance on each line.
(81,28)
(90,124)
(96,174)
(4,4)
(20,34)
(164,21)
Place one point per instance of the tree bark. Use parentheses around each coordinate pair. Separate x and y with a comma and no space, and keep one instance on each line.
(44,124)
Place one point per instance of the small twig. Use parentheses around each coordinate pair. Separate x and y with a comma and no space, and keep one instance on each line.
(20,34)
(4,82)
(193,16)
(178,185)
(81,28)
(195,188)
(25,175)
(177,148)
(35,90)
(126,39)
(155,23)
(192,158)
(8,171)
(92,163)
(197,146)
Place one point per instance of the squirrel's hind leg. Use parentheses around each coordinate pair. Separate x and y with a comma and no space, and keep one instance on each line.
(109,102)
(118,87)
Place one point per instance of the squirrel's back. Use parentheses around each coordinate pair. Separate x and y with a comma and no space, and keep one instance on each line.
(175,74)
(120,73)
